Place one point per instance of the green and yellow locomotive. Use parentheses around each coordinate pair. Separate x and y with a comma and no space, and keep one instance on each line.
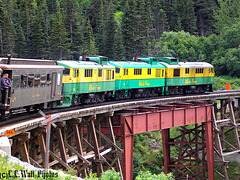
(89,80)
(187,77)
(143,77)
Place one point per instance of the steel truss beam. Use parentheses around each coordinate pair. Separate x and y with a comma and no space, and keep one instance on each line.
(193,150)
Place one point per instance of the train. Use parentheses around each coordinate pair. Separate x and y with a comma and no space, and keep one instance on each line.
(45,84)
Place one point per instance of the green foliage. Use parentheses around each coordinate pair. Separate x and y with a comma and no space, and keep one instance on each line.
(110,174)
(147,153)
(110,31)
(227,14)
(10,168)
(58,36)
(183,44)
(220,82)
(149,176)
(127,31)
(89,40)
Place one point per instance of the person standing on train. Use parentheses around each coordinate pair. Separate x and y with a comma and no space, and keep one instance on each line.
(5,85)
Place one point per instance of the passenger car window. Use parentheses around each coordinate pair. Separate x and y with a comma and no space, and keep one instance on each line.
(37,80)
(23,80)
(16,82)
(43,79)
(30,80)
(49,79)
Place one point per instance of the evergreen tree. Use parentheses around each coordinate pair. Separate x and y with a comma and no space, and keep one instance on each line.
(110,31)
(8,30)
(89,40)
(141,28)
(20,43)
(101,30)
(227,14)
(127,31)
(93,12)
(205,20)
(25,14)
(160,23)
(182,16)
(119,51)
(38,34)
(59,40)
(73,25)
(52,6)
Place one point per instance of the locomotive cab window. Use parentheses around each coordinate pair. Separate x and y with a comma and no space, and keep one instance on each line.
(66,71)
(117,70)
(176,73)
(16,82)
(187,71)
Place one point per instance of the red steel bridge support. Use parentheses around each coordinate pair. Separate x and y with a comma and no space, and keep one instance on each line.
(195,139)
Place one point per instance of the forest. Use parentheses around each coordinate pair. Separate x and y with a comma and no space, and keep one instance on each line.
(194,30)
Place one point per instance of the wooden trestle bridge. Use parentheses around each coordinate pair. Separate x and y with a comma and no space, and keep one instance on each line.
(87,138)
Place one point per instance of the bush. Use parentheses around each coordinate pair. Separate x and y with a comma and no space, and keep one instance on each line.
(110,174)
(148,176)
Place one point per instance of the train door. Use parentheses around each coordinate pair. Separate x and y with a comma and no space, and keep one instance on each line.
(54,84)
(74,81)
(125,79)
(19,84)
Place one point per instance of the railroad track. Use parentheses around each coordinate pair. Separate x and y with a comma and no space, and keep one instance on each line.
(22,120)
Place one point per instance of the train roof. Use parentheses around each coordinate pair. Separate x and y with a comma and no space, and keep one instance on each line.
(23,66)
(27,61)
(188,65)
(131,64)
(83,64)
